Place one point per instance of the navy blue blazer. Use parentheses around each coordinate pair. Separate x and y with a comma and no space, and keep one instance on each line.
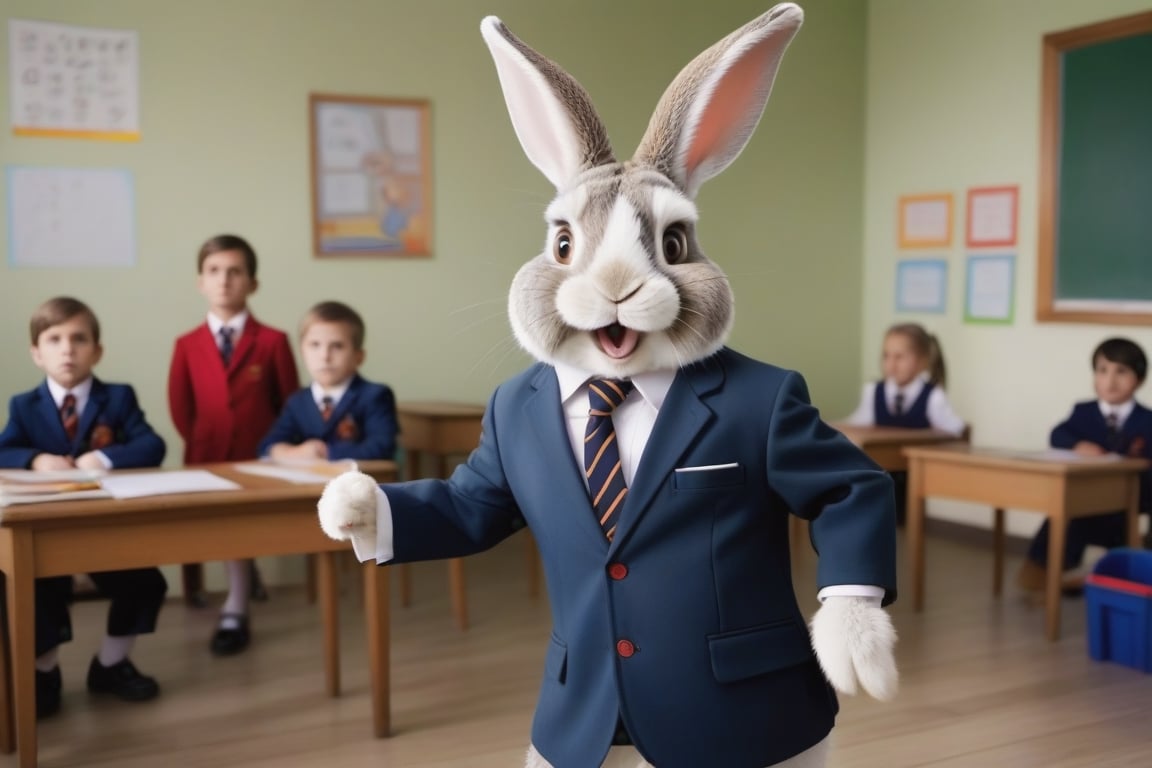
(111,422)
(363,424)
(685,625)
(1135,439)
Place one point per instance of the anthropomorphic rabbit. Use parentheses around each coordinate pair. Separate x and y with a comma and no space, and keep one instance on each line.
(656,468)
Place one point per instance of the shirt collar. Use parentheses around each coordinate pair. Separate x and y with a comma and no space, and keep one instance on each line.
(237,323)
(336,392)
(1122,411)
(81,392)
(910,390)
(652,386)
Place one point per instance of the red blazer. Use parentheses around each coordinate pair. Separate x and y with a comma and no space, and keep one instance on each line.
(223,414)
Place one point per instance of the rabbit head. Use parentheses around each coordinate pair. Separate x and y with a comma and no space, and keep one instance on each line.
(622,286)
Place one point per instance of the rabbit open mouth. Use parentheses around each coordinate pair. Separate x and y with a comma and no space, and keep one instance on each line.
(616,341)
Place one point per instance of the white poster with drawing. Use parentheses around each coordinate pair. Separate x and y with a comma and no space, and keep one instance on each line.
(70,217)
(73,82)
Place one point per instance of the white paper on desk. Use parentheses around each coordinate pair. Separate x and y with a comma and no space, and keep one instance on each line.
(9,500)
(136,484)
(300,476)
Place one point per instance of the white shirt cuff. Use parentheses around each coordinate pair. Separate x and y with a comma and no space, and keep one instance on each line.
(378,547)
(875,594)
(107,462)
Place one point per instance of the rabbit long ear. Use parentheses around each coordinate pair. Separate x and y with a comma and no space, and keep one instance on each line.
(552,114)
(712,107)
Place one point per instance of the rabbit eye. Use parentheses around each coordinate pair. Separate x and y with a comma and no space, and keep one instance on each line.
(562,246)
(675,244)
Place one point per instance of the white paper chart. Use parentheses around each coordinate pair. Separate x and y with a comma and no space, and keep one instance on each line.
(66,217)
(73,82)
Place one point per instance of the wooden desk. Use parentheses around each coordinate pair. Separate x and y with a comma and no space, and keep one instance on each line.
(438,430)
(885,445)
(1062,490)
(267,517)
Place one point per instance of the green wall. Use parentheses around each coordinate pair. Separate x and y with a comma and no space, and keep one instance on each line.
(224,147)
(953,101)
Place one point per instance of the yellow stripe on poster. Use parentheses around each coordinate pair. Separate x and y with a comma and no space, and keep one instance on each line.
(61,133)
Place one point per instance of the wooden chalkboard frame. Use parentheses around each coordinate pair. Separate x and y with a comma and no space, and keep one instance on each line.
(1054,47)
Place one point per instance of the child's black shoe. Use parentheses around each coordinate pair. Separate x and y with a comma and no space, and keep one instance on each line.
(48,685)
(122,680)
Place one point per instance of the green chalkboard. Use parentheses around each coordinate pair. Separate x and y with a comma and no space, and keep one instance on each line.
(1096,178)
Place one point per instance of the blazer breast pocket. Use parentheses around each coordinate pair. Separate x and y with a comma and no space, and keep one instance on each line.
(708,476)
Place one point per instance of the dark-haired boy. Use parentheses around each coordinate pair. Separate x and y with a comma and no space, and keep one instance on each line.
(1112,423)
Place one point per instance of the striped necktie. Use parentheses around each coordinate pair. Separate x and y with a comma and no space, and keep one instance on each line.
(1112,421)
(327,405)
(898,409)
(68,416)
(606,483)
(226,347)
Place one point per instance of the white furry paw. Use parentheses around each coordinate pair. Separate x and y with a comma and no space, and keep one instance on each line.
(347,507)
(854,641)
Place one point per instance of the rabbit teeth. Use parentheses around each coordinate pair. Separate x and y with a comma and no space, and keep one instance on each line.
(616,341)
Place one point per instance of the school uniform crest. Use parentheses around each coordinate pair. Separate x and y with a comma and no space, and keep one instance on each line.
(347,429)
(102,437)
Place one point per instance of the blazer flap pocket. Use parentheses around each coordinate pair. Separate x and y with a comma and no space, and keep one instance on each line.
(556,661)
(759,650)
(710,476)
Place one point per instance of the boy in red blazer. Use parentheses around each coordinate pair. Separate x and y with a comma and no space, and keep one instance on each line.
(229,379)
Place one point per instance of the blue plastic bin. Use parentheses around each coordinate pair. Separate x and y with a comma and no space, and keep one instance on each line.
(1119,599)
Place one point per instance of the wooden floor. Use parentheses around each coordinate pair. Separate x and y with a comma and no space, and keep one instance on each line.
(980,687)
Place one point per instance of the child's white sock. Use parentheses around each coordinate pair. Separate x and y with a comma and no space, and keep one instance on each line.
(47,661)
(239,583)
(114,650)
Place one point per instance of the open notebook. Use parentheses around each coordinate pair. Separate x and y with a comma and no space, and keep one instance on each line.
(28,487)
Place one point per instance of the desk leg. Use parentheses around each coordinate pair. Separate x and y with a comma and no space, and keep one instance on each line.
(22,636)
(997,552)
(1057,536)
(329,593)
(7,727)
(1134,512)
(532,557)
(377,621)
(915,528)
(459,590)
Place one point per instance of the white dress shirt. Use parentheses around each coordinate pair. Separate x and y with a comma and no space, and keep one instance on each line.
(940,413)
(236,323)
(336,392)
(1121,411)
(633,421)
(83,393)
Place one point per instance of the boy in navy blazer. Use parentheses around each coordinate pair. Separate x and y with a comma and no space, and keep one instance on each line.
(1113,423)
(75,421)
(341,415)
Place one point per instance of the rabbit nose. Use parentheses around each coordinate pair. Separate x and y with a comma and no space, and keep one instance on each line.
(630,294)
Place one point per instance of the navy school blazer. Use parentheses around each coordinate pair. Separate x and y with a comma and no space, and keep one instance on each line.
(363,424)
(112,422)
(697,642)
(1086,422)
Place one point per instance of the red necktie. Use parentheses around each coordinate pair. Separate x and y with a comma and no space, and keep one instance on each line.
(326,407)
(68,416)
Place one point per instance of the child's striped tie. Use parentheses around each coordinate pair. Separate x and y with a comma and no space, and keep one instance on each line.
(68,416)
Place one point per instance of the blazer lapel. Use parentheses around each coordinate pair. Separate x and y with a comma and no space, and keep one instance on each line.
(97,402)
(50,414)
(681,419)
(552,451)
